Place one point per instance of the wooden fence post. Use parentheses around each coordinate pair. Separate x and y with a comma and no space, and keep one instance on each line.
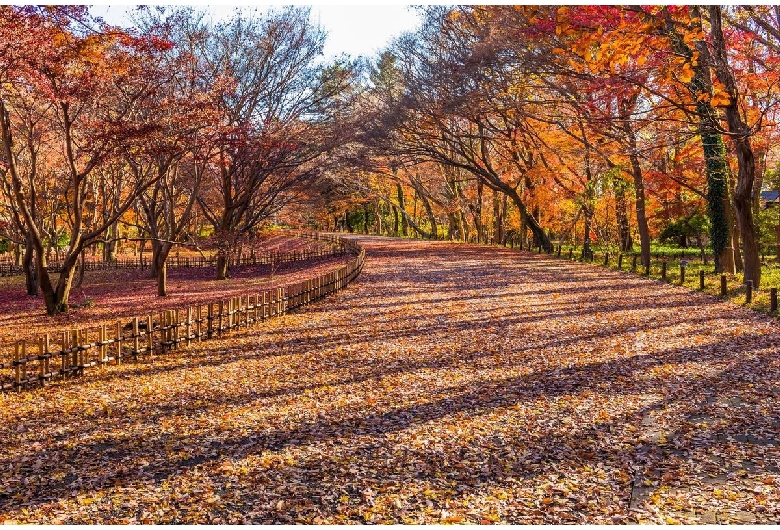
(150,335)
(44,349)
(74,343)
(663,270)
(189,325)
(749,291)
(199,323)
(176,328)
(723,285)
(701,279)
(136,338)
(163,330)
(64,355)
(773,299)
(102,347)
(118,359)
(210,321)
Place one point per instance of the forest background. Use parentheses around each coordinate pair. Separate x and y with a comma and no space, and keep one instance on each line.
(615,127)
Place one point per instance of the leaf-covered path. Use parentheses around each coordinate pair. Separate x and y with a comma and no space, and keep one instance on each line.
(449,383)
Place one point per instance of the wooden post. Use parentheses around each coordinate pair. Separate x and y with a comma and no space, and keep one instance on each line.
(723,285)
(43,349)
(118,359)
(163,331)
(64,356)
(749,291)
(701,279)
(176,328)
(633,263)
(210,321)
(102,347)
(682,274)
(136,338)
(663,270)
(773,299)
(571,253)
(189,325)
(620,261)
(150,335)
(199,323)
(606,259)
(221,308)
(74,343)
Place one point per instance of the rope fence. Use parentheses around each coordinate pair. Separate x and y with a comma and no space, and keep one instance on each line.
(71,353)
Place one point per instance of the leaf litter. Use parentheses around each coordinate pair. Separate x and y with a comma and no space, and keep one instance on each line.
(448,384)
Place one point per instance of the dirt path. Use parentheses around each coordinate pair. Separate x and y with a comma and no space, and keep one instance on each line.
(450,383)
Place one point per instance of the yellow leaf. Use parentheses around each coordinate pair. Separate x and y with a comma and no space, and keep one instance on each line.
(686,73)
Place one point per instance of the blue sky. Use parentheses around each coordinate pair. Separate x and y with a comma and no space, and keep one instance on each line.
(355,30)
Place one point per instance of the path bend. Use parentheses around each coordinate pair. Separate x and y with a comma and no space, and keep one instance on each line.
(449,383)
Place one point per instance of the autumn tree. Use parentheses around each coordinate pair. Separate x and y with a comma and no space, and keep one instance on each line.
(276,118)
(96,83)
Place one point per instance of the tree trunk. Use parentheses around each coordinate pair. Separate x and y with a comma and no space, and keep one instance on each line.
(621,213)
(160,253)
(378,214)
(222,266)
(28,265)
(530,221)
(477,211)
(110,246)
(739,265)
(451,226)
(431,216)
(463,226)
(639,194)
(61,296)
(777,230)
(588,214)
(402,207)
(162,279)
(746,163)
(716,168)
(536,239)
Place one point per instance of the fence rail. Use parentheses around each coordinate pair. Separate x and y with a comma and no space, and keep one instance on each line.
(73,352)
(266,258)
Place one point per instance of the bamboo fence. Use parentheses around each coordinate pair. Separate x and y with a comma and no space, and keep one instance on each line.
(71,353)
(8,268)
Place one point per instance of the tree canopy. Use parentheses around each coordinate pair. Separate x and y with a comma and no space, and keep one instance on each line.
(591,125)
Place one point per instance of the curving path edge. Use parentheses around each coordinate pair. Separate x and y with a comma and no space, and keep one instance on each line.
(449,383)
